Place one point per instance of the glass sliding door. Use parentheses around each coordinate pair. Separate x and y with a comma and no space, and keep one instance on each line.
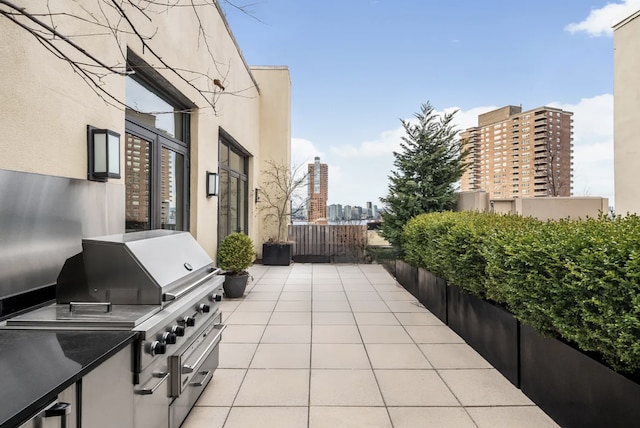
(233,199)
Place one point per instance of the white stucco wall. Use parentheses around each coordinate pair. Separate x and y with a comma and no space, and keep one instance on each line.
(626,123)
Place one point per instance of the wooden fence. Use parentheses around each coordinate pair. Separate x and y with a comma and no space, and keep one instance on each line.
(328,243)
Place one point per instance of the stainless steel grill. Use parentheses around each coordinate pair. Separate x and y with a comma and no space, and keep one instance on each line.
(164,286)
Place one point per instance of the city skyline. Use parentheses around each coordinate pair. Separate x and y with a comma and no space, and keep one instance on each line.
(347,102)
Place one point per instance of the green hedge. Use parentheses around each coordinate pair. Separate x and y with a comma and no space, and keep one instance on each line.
(579,280)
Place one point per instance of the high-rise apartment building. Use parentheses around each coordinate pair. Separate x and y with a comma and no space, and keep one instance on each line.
(318,192)
(520,154)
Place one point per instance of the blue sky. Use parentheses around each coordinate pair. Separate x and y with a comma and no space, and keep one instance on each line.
(359,66)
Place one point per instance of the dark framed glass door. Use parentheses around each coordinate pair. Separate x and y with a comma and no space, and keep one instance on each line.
(232,200)
(156,180)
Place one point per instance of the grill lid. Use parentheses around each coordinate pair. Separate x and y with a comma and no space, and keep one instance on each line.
(137,268)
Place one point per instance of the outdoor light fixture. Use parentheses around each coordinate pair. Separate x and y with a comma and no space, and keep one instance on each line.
(212,184)
(257,196)
(103,151)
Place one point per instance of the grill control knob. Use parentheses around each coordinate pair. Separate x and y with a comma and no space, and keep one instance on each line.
(204,308)
(215,297)
(169,338)
(156,348)
(178,330)
(188,321)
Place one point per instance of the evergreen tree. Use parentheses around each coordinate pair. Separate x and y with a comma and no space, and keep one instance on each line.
(430,163)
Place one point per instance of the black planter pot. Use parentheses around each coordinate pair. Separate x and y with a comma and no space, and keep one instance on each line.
(277,254)
(234,285)
(489,329)
(432,293)
(574,389)
(407,276)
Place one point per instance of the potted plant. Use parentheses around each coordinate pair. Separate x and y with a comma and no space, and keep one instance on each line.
(235,255)
(280,186)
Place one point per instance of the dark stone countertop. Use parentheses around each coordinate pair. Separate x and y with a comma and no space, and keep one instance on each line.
(35,365)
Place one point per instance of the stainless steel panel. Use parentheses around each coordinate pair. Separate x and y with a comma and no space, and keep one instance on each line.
(136,268)
(121,317)
(43,220)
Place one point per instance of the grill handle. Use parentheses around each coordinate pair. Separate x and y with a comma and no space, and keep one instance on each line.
(80,305)
(149,391)
(190,368)
(207,376)
(166,297)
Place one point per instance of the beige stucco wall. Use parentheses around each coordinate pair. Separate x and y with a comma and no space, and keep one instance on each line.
(474,200)
(626,123)
(556,208)
(275,133)
(47,106)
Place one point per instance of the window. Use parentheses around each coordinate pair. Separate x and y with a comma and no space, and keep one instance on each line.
(233,200)
(156,156)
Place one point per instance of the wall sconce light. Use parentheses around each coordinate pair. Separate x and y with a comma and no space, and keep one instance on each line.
(212,184)
(257,195)
(103,152)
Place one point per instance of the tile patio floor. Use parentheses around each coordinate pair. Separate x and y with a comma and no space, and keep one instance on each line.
(319,345)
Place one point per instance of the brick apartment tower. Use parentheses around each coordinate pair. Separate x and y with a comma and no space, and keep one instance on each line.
(520,154)
(318,183)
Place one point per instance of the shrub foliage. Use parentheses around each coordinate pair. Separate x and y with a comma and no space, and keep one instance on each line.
(577,280)
(235,253)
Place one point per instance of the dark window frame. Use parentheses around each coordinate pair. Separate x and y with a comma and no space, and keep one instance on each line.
(226,141)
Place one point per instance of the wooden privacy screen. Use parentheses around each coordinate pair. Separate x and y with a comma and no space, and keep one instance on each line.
(330,243)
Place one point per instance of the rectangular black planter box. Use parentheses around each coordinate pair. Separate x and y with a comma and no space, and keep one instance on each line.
(407,276)
(574,389)
(489,329)
(432,293)
(276,254)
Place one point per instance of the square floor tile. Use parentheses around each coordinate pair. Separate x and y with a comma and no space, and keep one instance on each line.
(396,356)
(290,318)
(297,288)
(483,387)
(399,306)
(206,417)
(363,296)
(331,306)
(242,333)
(267,417)
(223,388)
(274,388)
(295,296)
(262,296)
(381,288)
(335,334)
(227,306)
(358,287)
(236,355)
(418,318)
(293,306)
(369,306)
(287,334)
(414,388)
(319,285)
(433,334)
(248,318)
(256,306)
(375,318)
(511,416)
(348,417)
(339,356)
(269,288)
(384,334)
(431,417)
(344,388)
(329,296)
(454,356)
(282,356)
(333,318)
(397,296)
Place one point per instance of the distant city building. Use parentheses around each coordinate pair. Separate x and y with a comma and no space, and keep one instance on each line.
(369,210)
(347,212)
(520,154)
(335,212)
(318,189)
(375,214)
(356,213)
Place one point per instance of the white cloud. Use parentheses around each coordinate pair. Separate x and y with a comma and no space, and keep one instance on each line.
(592,146)
(303,151)
(600,21)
